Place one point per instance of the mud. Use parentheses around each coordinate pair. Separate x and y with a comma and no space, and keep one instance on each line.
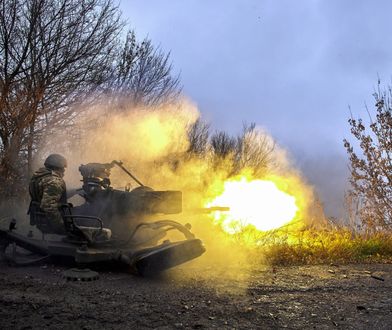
(311,297)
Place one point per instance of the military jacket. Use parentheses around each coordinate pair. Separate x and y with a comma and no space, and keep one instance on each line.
(47,189)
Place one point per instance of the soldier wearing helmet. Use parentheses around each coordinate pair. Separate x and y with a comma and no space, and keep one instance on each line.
(48,192)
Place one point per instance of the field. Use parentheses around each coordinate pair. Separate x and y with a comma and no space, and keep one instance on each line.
(353,296)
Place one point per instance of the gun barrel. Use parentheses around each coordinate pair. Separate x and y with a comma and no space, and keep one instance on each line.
(203,210)
(120,165)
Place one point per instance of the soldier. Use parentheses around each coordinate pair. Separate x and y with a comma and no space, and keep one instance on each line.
(48,192)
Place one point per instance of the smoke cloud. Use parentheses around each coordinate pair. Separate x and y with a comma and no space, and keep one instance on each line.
(153,144)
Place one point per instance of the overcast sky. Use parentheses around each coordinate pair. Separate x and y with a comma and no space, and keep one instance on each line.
(292,67)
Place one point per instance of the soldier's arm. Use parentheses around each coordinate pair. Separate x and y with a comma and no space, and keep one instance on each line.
(52,192)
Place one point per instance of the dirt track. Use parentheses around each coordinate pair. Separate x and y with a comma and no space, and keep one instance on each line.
(290,297)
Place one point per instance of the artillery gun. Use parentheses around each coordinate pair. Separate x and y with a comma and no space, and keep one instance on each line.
(121,210)
(111,226)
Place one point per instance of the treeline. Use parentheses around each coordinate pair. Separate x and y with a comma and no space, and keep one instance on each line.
(251,149)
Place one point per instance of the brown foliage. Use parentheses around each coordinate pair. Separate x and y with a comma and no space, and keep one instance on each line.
(371,168)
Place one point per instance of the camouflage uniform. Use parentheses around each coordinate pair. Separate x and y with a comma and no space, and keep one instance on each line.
(48,191)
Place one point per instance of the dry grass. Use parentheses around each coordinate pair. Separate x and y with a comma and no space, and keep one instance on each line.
(315,246)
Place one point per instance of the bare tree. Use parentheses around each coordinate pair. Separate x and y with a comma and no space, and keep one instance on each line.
(371,167)
(55,54)
(143,74)
(253,149)
(51,52)
(198,136)
(223,144)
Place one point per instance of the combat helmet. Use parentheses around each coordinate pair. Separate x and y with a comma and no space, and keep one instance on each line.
(55,162)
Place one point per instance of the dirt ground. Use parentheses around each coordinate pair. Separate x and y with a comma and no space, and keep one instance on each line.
(193,297)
